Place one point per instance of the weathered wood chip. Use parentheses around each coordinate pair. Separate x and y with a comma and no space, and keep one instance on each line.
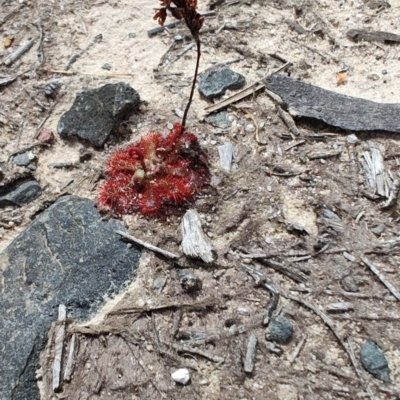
(194,242)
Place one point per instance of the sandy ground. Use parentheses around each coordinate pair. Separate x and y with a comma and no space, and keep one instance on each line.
(260,218)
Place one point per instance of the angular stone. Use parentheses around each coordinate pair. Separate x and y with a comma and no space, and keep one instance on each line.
(68,255)
(20,195)
(280,330)
(374,361)
(96,113)
(23,159)
(219,120)
(216,81)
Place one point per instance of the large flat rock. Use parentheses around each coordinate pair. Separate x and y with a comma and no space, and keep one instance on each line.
(345,112)
(68,255)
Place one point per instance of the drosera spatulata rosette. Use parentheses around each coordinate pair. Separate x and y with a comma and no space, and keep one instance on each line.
(159,171)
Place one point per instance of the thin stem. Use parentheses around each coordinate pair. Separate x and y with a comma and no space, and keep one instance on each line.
(197,40)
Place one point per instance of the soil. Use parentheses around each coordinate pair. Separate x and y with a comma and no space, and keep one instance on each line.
(273,202)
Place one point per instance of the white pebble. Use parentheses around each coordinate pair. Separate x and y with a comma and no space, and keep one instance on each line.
(181,375)
(250,128)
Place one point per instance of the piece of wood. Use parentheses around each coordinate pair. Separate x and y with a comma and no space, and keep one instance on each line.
(194,242)
(148,245)
(250,354)
(69,369)
(58,347)
(359,35)
(380,276)
(226,156)
(19,52)
(350,113)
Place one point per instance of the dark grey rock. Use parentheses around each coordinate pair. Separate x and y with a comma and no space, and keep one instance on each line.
(374,361)
(20,195)
(219,120)
(68,255)
(188,281)
(280,330)
(51,89)
(378,230)
(107,66)
(23,159)
(96,113)
(216,81)
(350,283)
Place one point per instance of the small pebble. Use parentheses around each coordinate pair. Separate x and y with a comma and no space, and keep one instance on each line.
(352,139)
(107,66)
(182,376)
(24,159)
(280,330)
(188,281)
(378,230)
(132,35)
(178,38)
(250,128)
(374,361)
(170,125)
(384,72)
(350,284)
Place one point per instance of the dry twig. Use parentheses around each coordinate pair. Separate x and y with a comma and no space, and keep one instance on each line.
(380,276)
(148,246)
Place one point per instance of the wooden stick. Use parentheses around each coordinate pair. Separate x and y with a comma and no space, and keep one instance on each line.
(69,369)
(375,270)
(331,326)
(250,354)
(58,347)
(148,245)
(19,52)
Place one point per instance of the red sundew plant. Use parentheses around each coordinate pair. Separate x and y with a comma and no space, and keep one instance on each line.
(159,171)
(155,173)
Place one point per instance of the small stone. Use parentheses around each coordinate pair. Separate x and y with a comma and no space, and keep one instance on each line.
(8,41)
(107,66)
(46,136)
(189,281)
(178,38)
(159,283)
(280,330)
(378,230)
(374,361)
(250,128)
(132,35)
(51,89)
(350,284)
(352,139)
(24,159)
(216,81)
(181,375)
(20,195)
(384,72)
(219,120)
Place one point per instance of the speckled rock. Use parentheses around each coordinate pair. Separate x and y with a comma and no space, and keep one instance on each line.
(96,113)
(68,255)
(280,330)
(374,361)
